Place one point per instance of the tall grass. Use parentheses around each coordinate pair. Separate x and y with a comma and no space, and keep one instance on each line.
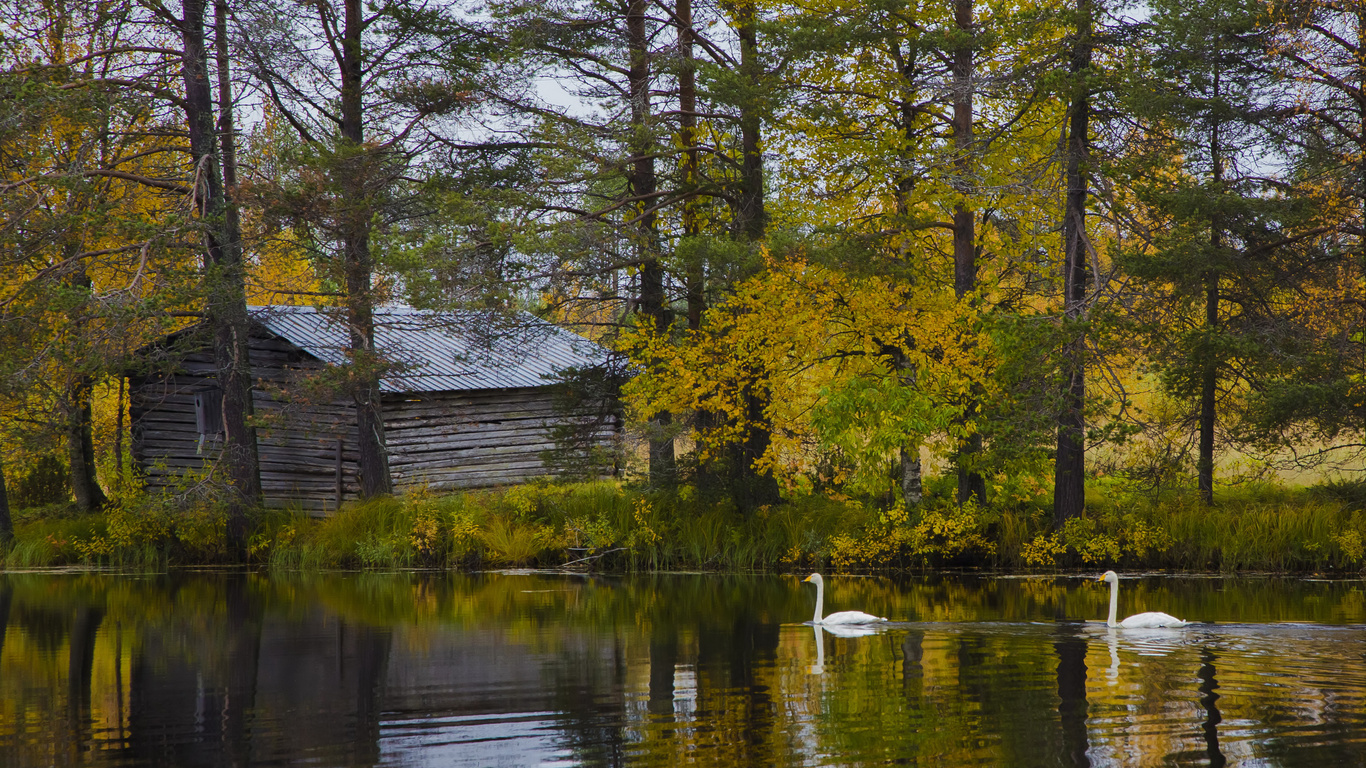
(599,525)
(1254,527)
(1267,528)
(613,526)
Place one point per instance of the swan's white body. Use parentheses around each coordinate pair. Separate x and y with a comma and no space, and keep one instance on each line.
(1149,620)
(842,617)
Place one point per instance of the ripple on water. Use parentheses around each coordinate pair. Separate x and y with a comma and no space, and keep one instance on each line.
(542,669)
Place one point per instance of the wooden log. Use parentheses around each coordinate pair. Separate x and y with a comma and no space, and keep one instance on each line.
(458,415)
(312,446)
(491,465)
(457,418)
(434,408)
(483,481)
(421,400)
(513,395)
(491,434)
(318,468)
(459,442)
(459,453)
(471,456)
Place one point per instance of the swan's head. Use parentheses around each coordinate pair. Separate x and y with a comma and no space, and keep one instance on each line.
(1110,577)
(814,578)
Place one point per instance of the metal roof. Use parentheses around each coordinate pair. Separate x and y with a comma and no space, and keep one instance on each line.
(441,351)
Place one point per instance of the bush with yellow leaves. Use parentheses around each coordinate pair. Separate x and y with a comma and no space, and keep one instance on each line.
(1110,538)
(936,535)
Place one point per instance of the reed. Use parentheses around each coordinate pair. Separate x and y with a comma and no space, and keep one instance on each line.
(614,526)
(44,542)
(1262,527)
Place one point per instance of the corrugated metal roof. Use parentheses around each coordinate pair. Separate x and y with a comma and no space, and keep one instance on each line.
(442,351)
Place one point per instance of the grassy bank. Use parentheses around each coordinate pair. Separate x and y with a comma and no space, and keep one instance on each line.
(612,526)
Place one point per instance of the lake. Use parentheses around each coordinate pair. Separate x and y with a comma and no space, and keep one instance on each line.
(560,669)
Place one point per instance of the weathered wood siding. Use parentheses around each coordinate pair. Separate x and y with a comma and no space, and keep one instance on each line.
(471,439)
(297,444)
(440,440)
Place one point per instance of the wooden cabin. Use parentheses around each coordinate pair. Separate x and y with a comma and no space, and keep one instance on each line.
(470,403)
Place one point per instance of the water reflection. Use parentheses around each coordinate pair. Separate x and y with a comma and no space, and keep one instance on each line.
(834,630)
(542,669)
(1071,648)
(1210,700)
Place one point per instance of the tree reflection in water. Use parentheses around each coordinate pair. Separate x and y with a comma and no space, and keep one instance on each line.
(1071,650)
(1210,700)
(408,669)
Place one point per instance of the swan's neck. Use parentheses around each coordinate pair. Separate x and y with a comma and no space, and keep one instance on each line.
(1114,604)
(820,601)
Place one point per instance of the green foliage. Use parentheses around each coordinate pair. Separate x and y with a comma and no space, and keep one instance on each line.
(1349,493)
(938,535)
(46,481)
(614,527)
(50,541)
(1256,527)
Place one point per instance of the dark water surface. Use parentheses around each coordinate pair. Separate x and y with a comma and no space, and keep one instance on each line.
(535,669)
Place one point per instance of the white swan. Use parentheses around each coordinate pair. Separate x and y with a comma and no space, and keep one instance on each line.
(1149,620)
(842,617)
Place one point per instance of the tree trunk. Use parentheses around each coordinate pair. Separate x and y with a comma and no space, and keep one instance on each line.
(912,492)
(751,219)
(908,467)
(226,311)
(964,235)
(119,425)
(1209,376)
(755,488)
(644,184)
(1360,105)
(357,265)
(80,443)
(6,522)
(970,483)
(704,420)
(1361,122)
(687,138)
(1208,388)
(232,332)
(908,453)
(1069,486)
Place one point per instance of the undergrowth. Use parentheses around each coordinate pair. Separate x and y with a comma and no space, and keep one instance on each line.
(612,526)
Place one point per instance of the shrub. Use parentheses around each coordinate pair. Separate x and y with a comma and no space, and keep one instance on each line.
(46,482)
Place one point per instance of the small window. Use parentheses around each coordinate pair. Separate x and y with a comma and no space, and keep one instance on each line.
(208,413)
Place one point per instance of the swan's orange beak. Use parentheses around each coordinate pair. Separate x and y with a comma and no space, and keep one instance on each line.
(808,578)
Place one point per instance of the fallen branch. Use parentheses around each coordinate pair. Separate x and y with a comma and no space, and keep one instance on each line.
(593,557)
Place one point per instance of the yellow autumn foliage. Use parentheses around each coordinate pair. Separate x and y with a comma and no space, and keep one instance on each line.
(861,365)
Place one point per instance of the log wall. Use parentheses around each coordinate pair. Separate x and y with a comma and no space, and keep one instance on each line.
(471,439)
(439,440)
(297,444)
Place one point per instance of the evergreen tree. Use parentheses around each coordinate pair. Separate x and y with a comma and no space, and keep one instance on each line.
(1215,223)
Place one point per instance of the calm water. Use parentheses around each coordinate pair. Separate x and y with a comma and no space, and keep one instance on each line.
(564,670)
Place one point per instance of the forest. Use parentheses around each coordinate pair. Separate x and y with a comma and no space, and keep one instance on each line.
(969,282)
